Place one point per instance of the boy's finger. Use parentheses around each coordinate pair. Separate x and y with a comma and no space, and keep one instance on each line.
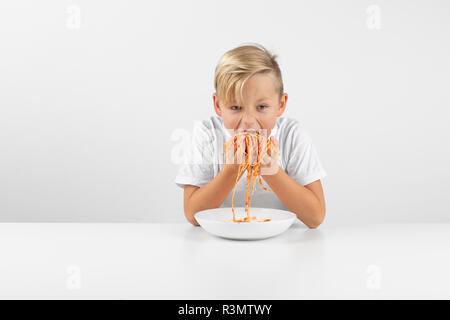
(274,141)
(240,154)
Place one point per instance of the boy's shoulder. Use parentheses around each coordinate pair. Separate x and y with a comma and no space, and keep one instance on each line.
(289,127)
(288,123)
(208,130)
(292,133)
(211,123)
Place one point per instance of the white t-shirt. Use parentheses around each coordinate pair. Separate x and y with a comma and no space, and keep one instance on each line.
(204,160)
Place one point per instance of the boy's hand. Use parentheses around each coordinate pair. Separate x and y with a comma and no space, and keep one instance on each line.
(269,151)
(269,160)
(235,153)
(268,157)
(235,156)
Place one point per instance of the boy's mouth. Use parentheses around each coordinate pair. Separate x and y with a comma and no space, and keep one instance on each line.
(250,131)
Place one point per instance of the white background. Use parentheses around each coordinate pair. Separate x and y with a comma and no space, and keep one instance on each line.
(92,91)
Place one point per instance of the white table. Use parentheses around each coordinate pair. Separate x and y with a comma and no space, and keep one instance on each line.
(180,261)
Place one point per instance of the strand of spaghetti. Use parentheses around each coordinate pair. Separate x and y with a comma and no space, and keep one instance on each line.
(235,183)
(232,198)
(269,147)
(259,176)
(250,175)
(247,200)
(241,170)
(254,172)
(249,169)
(263,186)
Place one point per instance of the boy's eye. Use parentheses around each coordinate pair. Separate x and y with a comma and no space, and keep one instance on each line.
(260,107)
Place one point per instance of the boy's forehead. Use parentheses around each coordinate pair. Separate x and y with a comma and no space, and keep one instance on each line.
(259,95)
(255,98)
(259,81)
(259,87)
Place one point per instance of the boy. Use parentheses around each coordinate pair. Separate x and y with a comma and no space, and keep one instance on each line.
(249,98)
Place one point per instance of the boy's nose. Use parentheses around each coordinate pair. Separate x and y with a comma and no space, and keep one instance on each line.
(249,122)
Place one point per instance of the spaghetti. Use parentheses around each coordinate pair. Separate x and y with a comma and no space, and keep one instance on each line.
(253,167)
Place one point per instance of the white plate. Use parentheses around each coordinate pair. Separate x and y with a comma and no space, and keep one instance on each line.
(219,222)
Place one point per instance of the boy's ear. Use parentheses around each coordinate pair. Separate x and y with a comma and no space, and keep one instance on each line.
(283,103)
(217,107)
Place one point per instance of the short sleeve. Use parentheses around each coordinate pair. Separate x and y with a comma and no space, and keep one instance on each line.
(197,168)
(303,164)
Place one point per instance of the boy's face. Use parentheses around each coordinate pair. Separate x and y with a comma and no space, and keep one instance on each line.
(260,108)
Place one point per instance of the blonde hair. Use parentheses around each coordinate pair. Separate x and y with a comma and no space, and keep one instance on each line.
(236,66)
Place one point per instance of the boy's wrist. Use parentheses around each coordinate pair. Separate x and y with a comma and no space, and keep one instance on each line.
(231,168)
(270,171)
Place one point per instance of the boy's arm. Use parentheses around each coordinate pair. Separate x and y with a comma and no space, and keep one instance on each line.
(212,194)
(307,202)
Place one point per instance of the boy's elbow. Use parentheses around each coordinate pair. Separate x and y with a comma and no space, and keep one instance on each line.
(313,225)
(190,217)
(188,212)
(192,221)
(317,220)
